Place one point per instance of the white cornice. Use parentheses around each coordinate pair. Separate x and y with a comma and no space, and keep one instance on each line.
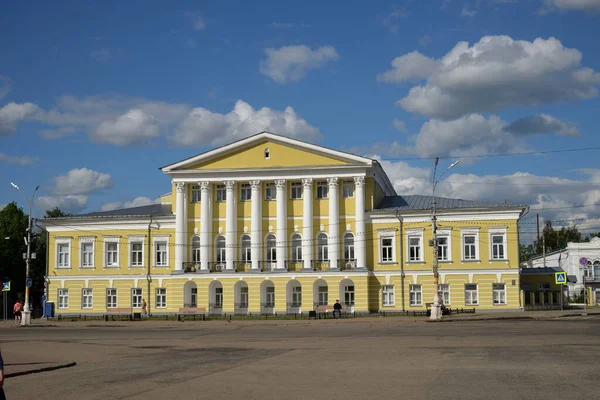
(269,174)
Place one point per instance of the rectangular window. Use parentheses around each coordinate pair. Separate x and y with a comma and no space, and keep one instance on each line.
(111,298)
(296,190)
(87,255)
(387,295)
(137,254)
(322,190)
(221,193)
(471,297)
(196,194)
(270,191)
(444,293)
(498,247)
(469,246)
(414,248)
(323,296)
(112,254)
(245,192)
(347,189)
(387,249)
(136,298)
(86,298)
(219,297)
(296,296)
(63,298)
(161,254)
(270,296)
(62,251)
(442,248)
(499,293)
(415,295)
(161,298)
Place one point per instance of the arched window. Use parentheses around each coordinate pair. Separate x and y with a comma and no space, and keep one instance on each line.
(322,254)
(271,248)
(196,249)
(221,249)
(296,247)
(348,247)
(246,251)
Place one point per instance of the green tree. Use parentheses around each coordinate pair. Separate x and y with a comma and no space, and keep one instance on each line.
(13,228)
(557,239)
(56,213)
(526,252)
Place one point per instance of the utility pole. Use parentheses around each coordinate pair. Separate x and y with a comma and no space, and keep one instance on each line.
(544,249)
(537,217)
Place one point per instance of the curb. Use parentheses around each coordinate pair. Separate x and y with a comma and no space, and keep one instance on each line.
(35,371)
(515,318)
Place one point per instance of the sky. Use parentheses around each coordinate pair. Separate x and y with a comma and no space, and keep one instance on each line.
(96,96)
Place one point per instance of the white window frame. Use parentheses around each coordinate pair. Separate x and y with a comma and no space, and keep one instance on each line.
(136,240)
(322,247)
(155,241)
(388,296)
(498,231)
(270,248)
(296,190)
(415,301)
(63,298)
(270,191)
(499,293)
(245,192)
(296,247)
(220,193)
(469,299)
(415,233)
(444,291)
(246,251)
(113,296)
(111,240)
(322,190)
(387,234)
(194,250)
(469,232)
(87,298)
(445,234)
(347,189)
(161,298)
(136,297)
(63,241)
(195,194)
(349,248)
(86,241)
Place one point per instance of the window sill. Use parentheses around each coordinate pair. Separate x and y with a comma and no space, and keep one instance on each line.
(136,267)
(415,262)
(499,260)
(416,305)
(110,267)
(499,305)
(388,305)
(471,305)
(445,261)
(84,268)
(388,262)
(470,261)
(160,266)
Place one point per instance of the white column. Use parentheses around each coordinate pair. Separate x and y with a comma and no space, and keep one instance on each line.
(206,249)
(281,223)
(360,243)
(230,224)
(334,223)
(180,224)
(307,222)
(256,223)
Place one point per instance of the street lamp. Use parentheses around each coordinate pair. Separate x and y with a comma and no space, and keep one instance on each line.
(26,318)
(148,275)
(435,309)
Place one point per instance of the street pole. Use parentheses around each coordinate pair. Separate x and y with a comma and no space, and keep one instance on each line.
(148,277)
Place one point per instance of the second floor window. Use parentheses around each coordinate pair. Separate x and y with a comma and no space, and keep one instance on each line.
(414,249)
(62,250)
(137,252)
(497,247)
(87,255)
(246,249)
(221,193)
(322,247)
(296,192)
(245,192)
(196,194)
(387,249)
(442,248)
(322,190)
(347,190)
(112,254)
(161,254)
(270,191)
(469,246)
(196,249)
(296,247)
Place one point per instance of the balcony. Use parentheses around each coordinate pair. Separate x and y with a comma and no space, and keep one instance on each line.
(294,265)
(267,266)
(191,267)
(320,265)
(216,266)
(347,265)
(242,266)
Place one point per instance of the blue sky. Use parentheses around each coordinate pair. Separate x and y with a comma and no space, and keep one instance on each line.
(94,97)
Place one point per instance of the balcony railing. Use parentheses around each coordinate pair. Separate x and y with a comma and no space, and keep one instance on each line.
(267,266)
(191,266)
(241,266)
(294,265)
(320,265)
(591,279)
(347,265)
(216,266)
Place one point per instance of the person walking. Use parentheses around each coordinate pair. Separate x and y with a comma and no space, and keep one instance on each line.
(2,396)
(17,309)
(144,305)
(337,308)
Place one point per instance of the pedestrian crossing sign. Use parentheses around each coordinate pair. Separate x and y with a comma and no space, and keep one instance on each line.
(560,278)
(5,286)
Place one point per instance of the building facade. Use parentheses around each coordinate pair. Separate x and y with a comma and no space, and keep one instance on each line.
(270,224)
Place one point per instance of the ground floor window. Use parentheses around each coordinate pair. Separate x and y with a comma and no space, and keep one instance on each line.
(323,296)
(444,293)
(387,295)
(194,297)
(471,295)
(296,296)
(63,298)
(136,298)
(111,298)
(219,297)
(161,298)
(499,293)
(86,298)
(270,296)
(415,295)
(349,296)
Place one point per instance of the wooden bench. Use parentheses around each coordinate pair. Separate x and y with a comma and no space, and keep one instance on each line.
(190,311)
(119,312)
(324,309)
(445,310)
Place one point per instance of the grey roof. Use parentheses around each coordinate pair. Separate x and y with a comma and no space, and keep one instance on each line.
(542,270)
(154,210)
(418,202)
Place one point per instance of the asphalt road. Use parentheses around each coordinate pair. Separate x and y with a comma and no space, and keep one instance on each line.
(351,359)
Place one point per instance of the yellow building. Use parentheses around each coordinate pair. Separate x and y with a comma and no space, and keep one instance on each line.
(270,224)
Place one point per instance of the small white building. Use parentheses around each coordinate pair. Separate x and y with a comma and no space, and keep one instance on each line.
(570,260)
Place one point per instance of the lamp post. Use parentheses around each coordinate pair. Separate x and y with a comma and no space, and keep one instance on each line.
(435,309)
(26,317)
(149,256)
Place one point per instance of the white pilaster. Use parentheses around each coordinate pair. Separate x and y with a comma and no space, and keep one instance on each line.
(230,224)
(281,223)
(180,225)
(256,223)
(205,225)
(307,222)
(360,244)
(334,223)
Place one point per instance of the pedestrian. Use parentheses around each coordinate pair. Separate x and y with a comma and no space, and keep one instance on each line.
(337,308)
(144,312)
(17,309)
(2,396)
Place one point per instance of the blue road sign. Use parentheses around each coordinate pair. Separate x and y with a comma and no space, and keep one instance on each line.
(560,278)
(583,261)
(29,283)
(6,286)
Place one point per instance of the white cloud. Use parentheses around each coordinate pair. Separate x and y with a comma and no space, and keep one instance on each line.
(204,127)
(288,25)
(67,204)
(467,12)
(542,123)
(115,205)
(589,6)
(133,127)
(82,181)
(100,55)
(400,125)
(59,133)
(13,113)
(137,202)
(291,63)
(18,160)
(392,20)
(197,20)
(5,86)
(495,73)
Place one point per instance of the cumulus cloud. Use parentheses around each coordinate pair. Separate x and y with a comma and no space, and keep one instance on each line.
(133,127)
(197,20)
(392,20)
(202,126)
(137,202)
(18,160)
(543,123)
(68,204)
(493,74)
(589,6)
(292,63)
(80,181)
(400,125)
(467,12)
(13,113)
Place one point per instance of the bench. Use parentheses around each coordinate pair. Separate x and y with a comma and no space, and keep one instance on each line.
(324,309)
(445,310)
(190,311)
(118,312)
